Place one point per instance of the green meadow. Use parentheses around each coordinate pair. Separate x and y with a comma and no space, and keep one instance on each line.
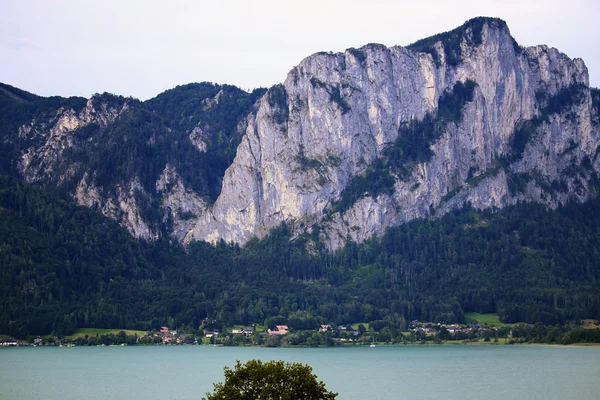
(91,332)
(485,319)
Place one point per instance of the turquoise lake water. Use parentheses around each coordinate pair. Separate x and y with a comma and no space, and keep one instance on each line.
(395,372)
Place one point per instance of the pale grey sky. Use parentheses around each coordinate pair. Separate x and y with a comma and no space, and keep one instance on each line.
(140,48)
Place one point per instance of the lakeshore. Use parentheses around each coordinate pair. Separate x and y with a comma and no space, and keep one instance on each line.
(491,331)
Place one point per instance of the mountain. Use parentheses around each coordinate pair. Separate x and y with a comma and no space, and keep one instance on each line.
(377,136)
(381,185)
(350,144)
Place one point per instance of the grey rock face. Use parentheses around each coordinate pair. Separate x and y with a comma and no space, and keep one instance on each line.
(57,135)
(341,110)
(122,206)
(181,205)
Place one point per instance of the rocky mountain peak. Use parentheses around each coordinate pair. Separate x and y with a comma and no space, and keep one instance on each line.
(352,142)
(330,126)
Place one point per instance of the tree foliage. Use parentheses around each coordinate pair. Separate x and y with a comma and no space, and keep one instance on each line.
(469,32)
(278,100)
(64,267)
(595,93)
(273,380)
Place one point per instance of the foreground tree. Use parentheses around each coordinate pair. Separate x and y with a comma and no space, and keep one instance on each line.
(272,380)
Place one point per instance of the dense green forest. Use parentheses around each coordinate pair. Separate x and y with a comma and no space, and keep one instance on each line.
(64,267)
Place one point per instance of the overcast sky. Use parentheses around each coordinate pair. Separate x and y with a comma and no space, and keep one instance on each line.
(140,48)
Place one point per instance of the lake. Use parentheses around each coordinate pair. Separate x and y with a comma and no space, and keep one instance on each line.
(394,372)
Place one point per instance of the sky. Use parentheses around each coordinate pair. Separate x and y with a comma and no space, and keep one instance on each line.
(141,48)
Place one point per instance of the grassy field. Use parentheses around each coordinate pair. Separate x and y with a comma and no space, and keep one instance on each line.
(257,328)
(590,324)
(482,319)
(98,331)
(355,326)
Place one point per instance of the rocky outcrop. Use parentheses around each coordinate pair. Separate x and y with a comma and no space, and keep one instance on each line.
(336,113)
(181,206)
(122,206)
(57,134)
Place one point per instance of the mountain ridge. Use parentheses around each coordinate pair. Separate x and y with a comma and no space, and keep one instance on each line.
(320,89)
(341,123)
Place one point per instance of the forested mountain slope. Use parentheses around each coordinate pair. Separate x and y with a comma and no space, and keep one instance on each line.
(150,165)
(64,266)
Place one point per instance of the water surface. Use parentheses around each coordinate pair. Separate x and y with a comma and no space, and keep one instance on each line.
(395,372)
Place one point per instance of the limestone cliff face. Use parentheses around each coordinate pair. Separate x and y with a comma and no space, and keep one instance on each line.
(48,139)
(122,205)
(181,205)
(336,113)
(529,132)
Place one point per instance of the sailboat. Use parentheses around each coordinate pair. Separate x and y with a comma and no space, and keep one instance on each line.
(373,344)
